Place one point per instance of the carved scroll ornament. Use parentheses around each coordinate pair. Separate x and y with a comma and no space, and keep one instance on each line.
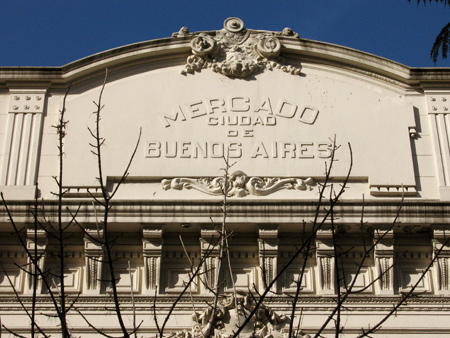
(238,185)
(236,51)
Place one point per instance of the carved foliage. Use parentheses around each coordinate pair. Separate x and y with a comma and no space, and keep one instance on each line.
(268,270)
(327,273)
(239,185)
(210,271)
(151,264)
(238,52)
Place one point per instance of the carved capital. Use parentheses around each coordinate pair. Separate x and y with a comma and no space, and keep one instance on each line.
(36,237)
(152,239)
(268,231)
(384,243)
(441,239)
(93,232)
(27,101)
(209,241)
(324,243)
(268,240)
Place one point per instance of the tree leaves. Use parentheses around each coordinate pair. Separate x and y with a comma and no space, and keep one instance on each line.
(442,41)
(445,2)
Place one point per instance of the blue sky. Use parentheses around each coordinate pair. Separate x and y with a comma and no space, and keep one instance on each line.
(56,32)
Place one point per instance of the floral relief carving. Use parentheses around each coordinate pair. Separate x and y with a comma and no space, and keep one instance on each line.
(238,185)
(236,51)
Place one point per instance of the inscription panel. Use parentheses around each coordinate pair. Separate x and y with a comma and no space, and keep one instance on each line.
(274,125)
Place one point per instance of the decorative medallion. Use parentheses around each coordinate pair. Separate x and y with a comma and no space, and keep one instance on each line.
(236,51)
(238,185)
(231,313)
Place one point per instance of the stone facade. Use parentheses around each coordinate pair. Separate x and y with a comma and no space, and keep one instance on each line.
(250,134)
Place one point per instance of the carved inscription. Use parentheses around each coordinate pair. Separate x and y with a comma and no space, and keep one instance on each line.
(219,111)
(188,149)
(238,120)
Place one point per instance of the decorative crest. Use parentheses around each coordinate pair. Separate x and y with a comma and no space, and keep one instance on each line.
(231,313)
(238,185)
(236,51)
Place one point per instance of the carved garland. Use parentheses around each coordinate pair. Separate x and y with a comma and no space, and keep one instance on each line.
(238,185)
(236,51)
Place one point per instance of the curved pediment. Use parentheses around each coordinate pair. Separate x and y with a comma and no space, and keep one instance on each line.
(260,50)
(272,100)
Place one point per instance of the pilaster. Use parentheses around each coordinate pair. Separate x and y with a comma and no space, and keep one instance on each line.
(37,247)
(441,245)
(23,140)
(326,262)
(384,260)
(210,250)
(438,102)
(94,260)
(268,254)
(152,242)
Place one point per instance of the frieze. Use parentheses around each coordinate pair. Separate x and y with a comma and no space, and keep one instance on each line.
(238,185)
(235,51)
(279,302)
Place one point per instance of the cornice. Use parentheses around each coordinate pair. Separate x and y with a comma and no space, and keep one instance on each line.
(178,48)
(163,211)
(280,300)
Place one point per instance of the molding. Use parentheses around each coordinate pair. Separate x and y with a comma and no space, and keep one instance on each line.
(393,190)
(179,46)
(282,300)
(378,213)
(82,191)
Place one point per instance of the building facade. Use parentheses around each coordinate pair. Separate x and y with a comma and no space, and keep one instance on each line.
(241,172)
